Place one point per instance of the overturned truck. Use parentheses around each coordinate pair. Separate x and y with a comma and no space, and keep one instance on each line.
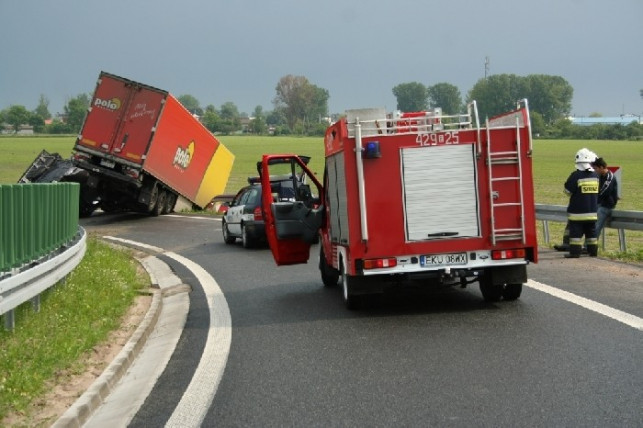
(139,150)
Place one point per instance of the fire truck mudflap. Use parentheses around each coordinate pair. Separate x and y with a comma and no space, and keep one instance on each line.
(421,197)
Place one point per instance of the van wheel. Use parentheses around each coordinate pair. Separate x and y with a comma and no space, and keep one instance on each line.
(512,291)
(329,275)
(352,301)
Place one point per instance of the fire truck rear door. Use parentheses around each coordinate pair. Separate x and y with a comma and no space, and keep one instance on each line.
(291,224)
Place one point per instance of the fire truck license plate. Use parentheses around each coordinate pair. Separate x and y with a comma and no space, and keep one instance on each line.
(443,259)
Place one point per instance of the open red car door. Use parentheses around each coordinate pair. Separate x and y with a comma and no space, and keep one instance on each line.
(292,224)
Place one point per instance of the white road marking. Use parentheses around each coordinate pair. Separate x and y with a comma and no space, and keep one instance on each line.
(620,316)
(198,396)
(193,217)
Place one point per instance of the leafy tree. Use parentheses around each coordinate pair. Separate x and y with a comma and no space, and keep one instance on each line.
(229,118)
(191,104)
(75,111)
(210,119)
(300,101)
(258,123)
(37,122)
(445,96)
(550,96)
(412,96)
(496,94)
(43,108)
(16,115)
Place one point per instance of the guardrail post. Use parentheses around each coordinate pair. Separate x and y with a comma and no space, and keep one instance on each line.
(621,240)
(546,231)
(9,320)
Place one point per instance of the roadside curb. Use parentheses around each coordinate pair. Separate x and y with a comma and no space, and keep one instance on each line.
(91,400)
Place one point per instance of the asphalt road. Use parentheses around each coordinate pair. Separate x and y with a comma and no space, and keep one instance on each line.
(416,358)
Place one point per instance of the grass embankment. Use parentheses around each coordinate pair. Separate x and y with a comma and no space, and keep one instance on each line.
(74,316)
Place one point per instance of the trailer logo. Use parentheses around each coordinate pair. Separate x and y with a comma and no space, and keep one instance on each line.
(183,156)
(113,104)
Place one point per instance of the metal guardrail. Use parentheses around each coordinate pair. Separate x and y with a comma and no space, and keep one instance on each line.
(29,284)
(620,220)
(40,241)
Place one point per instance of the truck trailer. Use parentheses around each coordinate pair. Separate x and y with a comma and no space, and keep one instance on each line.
(416,197)
(140,150)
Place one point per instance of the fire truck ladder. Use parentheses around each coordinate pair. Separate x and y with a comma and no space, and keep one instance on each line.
(506,158)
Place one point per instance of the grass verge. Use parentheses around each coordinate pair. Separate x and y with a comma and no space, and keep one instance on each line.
(75,315)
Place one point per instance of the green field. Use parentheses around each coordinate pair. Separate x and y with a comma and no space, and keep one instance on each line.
(553,162)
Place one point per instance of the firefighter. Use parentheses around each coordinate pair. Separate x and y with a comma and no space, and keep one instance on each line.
(582,188)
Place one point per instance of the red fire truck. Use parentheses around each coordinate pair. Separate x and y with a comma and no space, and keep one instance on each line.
(416,196)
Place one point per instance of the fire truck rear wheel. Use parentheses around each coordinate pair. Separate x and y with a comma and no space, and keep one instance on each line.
(490,292)
(352,301)
(512,291)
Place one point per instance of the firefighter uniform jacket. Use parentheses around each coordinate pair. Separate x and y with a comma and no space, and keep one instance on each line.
(582,186)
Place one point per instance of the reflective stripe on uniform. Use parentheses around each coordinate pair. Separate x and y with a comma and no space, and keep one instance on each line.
(582,216)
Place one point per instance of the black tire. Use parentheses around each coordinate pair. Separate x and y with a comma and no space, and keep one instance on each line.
(154,196)
(160,204)
(86,209)
(351,301)
(512,291)
(245,238)
(329,275)
(490,292)
(170,200)
(227,238)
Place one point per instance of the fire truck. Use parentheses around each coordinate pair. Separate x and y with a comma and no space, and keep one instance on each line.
(416,197)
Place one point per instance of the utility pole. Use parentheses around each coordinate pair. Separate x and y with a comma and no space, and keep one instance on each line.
(486,67)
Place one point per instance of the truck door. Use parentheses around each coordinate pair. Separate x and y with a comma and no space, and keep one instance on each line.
(292,225)
(121,118)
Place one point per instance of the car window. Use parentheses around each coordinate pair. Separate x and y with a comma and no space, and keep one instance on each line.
(237,199)
(254,196)
(244,197)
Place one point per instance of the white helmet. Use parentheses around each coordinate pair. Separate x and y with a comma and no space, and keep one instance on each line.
(584,159)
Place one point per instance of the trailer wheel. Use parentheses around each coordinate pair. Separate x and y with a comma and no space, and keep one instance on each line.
(512,291)
(352,301)
(329,275)
(160,204)
(227,238)
(170,200)
(490,292)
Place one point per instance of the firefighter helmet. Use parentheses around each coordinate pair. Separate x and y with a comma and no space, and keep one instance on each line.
(584,159)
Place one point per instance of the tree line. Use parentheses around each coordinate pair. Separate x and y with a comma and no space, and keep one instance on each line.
(301,108)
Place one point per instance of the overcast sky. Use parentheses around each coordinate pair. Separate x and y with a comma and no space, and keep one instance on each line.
(237,50)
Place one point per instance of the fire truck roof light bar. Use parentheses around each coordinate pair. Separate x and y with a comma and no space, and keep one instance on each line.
(360,179)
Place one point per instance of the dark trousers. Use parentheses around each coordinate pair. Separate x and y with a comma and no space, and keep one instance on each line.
(578,229)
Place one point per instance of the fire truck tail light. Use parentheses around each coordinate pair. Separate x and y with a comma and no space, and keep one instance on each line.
(514,253)
(380,263)
(257,214)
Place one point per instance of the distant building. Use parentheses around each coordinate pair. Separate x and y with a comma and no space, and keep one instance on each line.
(625,119)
